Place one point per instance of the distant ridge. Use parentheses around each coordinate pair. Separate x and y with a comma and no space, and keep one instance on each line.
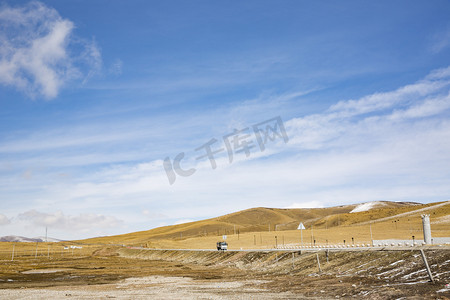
(21,239)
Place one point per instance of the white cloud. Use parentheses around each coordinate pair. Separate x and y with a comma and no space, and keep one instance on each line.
(306,204)
(372,113)
(4,220)
(34,50)
(381,101)
(82,222)
(428,107)
(439,73)
(153,215)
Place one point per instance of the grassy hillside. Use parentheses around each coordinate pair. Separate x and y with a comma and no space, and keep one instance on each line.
(330,224)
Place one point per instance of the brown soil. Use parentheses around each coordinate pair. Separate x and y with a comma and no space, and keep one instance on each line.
(133,273)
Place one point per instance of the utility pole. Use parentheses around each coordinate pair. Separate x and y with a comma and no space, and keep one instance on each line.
(426,265)
(318,262)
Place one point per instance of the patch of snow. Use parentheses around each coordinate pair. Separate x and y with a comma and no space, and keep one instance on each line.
(407,283)
(439,274)
(413,273)
(399,272)
(367,206)
(394,263)
(47,239)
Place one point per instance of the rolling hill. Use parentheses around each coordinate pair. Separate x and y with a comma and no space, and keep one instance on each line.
(266,220)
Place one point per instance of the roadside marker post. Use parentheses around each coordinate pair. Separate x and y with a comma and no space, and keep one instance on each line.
(301,227)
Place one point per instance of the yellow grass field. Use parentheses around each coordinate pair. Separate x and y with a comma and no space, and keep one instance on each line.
(262,228)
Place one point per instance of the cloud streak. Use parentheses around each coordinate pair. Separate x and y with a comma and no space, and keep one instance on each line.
(82,222)
(384,146)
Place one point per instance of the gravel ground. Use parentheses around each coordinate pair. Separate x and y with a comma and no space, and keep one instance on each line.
(154,287)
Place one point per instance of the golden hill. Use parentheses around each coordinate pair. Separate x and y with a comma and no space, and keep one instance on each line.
(272,221)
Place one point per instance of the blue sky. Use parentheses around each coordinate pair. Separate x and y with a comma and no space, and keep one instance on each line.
(94,95)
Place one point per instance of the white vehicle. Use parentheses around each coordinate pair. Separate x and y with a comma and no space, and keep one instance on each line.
(222,246)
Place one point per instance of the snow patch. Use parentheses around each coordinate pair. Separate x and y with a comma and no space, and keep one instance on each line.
(367,206)
(397,262)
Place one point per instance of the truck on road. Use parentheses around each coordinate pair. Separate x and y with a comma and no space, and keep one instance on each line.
(222,246)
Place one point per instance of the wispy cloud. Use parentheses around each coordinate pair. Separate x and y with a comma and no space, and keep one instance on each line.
(116,67)
(440,41)
(82,222)
(34,50)
(372,113)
